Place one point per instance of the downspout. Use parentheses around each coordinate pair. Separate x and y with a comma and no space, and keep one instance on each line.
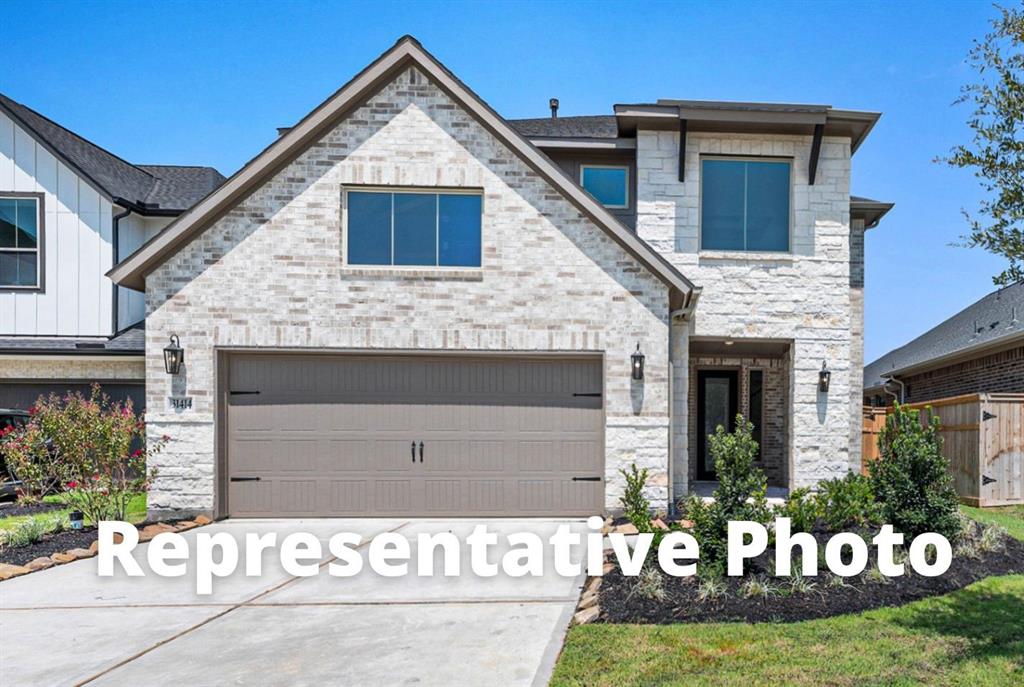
(116,240)
(903,388)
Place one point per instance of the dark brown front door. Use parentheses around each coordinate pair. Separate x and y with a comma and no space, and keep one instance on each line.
(350,435)
(716,405)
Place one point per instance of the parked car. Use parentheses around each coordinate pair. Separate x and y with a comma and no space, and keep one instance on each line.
(8,482)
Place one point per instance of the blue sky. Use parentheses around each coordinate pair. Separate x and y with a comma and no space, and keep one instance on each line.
(207,83)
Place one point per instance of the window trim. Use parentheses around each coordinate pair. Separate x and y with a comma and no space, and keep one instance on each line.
(439,190)
(586,165)
(40,285)
(700,205)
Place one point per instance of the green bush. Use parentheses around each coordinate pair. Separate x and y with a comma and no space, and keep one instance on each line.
(801,507)
(742,492)
(848,502)
(911,479)
(32,530)
(635,505)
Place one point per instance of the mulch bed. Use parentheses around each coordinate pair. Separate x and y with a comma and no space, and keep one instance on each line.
(13,508)
(50,544)
(682,604)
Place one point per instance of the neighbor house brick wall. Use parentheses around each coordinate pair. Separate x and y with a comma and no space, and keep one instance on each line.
(77,369)
(1001,372)
(270,273)
(802,297)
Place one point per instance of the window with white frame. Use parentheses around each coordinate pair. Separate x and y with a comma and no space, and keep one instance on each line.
(21,226)
(609,184)
(414,228)
(745,204)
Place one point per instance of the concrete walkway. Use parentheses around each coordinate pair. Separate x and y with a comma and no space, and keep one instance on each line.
(68,626)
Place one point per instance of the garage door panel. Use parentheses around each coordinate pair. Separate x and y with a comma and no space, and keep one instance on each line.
(340,435)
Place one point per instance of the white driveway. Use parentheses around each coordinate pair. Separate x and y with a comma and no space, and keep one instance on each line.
(68,626)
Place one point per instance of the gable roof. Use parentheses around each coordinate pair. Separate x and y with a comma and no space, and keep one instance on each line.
(994,321)
(405,53)
(150,189)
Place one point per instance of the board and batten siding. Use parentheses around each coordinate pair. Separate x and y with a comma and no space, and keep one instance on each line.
(76,300)
(133,231)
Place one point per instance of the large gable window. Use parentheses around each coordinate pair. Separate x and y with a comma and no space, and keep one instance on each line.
(20,241)
(413,228)
(745,204)
(608,184)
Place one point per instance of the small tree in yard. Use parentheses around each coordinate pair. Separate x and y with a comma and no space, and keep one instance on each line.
(88,447)
(911,478)
(742,492)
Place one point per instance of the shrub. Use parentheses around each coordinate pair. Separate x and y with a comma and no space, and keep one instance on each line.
(801,507)
(741,493)
(33,529)
(911,479)
(711,588)
(848,502)
(635,505)
(650,584)
(87,445)
(756,587)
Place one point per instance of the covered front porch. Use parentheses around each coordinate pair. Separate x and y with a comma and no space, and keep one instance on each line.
(739,376)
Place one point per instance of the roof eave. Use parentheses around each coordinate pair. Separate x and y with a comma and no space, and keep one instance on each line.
(871,212)
(956,356)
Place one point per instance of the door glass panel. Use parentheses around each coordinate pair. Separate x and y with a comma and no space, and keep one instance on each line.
(716,412)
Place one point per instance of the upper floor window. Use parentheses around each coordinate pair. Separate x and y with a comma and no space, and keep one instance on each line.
(608,184)
(20,241)
(745,204)
(414,228)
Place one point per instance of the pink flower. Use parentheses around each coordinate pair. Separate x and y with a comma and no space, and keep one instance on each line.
(72,484)
(165,437)
(136,453)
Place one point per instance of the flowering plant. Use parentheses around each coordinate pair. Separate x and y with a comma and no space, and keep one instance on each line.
(93,448)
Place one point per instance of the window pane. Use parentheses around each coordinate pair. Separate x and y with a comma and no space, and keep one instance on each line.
(755,396)
(415,229)
(27,230)
(27,268)
(7,221)
(8,269)
(369,228)
(459,230)
(609,186)
(722,190)
(768,206)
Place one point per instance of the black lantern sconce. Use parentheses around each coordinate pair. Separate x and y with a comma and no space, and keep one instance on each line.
(824,377)
(174,356)
(637,360)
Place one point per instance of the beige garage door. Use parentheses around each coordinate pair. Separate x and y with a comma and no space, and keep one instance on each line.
(320,435)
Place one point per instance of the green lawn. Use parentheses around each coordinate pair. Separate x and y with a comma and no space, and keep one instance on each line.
(136,512)
(1010,517)
(971,637)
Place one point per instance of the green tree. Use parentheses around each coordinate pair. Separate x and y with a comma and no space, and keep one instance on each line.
(996,155)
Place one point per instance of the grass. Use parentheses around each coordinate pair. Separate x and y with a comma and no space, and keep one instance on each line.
(974,636)
(136,512)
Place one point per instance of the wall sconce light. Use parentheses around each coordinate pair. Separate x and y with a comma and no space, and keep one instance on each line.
(174,356)
(824,377)
(638,363)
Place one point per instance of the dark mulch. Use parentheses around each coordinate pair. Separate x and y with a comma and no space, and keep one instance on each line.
(49,545)
(682,604)
(13,508)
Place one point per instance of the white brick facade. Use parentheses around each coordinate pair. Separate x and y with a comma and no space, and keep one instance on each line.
(803,297)
(270,273)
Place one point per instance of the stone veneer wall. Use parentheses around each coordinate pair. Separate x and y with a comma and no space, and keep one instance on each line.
(774,456)
(31,369)
(802,297)
(271,273)
(857,338)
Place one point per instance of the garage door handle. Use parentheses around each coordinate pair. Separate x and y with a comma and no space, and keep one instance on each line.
(421,451)
(586,479)
(245,479)
(243,393)
(414,452)
(589,394)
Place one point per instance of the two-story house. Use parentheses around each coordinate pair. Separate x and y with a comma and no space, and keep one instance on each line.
(69,211)
(408,305)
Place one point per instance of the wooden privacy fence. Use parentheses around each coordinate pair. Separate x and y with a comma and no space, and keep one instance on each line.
(982,438)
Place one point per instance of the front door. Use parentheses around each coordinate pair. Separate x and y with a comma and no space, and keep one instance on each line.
(716,405)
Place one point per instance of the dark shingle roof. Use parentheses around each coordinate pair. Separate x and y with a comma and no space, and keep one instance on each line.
(174,188)
(131,341)
(589,126)
(997,317)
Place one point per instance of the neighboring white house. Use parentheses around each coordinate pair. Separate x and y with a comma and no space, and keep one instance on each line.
(69,210)
(408,305)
